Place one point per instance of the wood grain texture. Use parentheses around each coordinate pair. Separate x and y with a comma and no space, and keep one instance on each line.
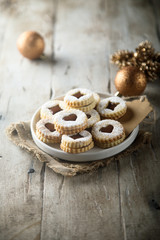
(139,175)
(24,85)
(121,31)
(83,207)
(121,201)
(81,47)
(80,207)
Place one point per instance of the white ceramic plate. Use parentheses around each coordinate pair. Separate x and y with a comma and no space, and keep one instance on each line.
(95,153)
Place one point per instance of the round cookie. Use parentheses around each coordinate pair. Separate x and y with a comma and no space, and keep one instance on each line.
(78,97)
(46,132)
(77,143)
(50,108)
(112,107)
(108,133)
(70,121)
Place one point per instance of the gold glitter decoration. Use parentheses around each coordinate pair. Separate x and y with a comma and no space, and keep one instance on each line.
(144,58)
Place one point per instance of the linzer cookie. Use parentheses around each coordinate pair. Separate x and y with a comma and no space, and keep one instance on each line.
(112,107)
(78,97)
(50,108)
(70,121)
(46,132)
(93,117)
(77,143)
(108,133)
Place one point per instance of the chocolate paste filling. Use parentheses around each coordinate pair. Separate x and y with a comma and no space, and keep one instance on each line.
(76,136)
(71,117)
(55,109)
(88,116)
(107,129)
(78,95)
(50,127)
(112,105)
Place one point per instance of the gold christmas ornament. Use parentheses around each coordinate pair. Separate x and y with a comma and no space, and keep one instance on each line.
(144,58)
(130,81)
(31,44)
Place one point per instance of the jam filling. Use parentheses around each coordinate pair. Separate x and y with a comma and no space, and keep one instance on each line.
(112,105)
(78,95)
(71,117)
(76,136)
(55,109)
(107,129)
(88,116)
(50,127)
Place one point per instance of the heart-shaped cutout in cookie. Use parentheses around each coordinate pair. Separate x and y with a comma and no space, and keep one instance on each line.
(71,117)
(107,129)
(50,127)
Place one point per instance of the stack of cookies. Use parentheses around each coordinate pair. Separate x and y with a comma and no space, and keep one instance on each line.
(82,99)
(81,120)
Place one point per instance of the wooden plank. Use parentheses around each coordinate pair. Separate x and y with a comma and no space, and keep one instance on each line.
(72,211)
(117,202)
(24,86)
(81,47)
(131,22)
(139,174)
(139,188)
(83,207)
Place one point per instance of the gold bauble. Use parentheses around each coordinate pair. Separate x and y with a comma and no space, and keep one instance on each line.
(130,81)
(30,44)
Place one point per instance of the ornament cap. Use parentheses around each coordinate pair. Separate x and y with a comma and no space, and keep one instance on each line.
(118,94)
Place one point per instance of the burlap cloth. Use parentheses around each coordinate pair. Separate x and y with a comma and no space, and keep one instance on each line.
(20,134)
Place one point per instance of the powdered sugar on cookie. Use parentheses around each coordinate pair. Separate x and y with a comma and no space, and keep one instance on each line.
(83,136)
(112,107)
(50,108)
(46,127)
(100,130)
(70,118)
(78,97)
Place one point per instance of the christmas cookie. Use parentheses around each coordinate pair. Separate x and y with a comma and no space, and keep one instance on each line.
(112,107)
(70,121)
(50,108)
(78,97)
(108,133)
(46,132)
(93,117)
(77,143)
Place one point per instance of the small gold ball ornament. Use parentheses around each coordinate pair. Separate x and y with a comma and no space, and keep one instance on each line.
(30,44)
(130,81)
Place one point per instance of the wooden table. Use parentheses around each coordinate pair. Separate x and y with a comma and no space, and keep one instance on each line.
(117,202)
